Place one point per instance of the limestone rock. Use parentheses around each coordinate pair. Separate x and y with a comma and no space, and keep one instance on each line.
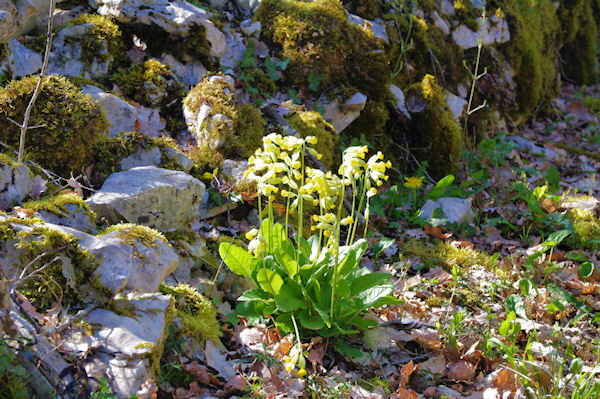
(122,116)
(139,158)
(235,49)
(66,57)
(180,159)
(18,17)
(248,5)
(342,115)
(136,334)
(375,27)
(159,198)
(74,217)
(189,70)
(496,32)
(457,210)
(234,171)
(15,184)
(455,103)
(174,17)
(398,95)
(23,61)
(251,28)
(441,23)
(8,25)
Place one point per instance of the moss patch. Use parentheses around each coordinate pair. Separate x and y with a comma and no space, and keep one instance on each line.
(310,123)
(319,40)
(103,32)
(64,280)
(237,137)
(130,234)
(197,314)
(446,255)
(109,151)
(433,134)
(71,123)
(586,227)
(57,204)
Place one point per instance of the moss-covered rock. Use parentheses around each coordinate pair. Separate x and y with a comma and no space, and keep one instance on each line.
(319,39)
(586,229)
(310,123)
(65,279)
(103,32)
(579,37)
(534,33)
(108,152)
(152,83)
(223,127)
(197,314)
(432,133)
(70,123)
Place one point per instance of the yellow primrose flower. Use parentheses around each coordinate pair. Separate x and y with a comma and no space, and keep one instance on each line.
(301,372)
(251,234)
(413,182)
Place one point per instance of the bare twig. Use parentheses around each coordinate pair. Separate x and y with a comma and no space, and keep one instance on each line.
(38,86)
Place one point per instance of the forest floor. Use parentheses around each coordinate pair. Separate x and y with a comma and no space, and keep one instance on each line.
(504,305)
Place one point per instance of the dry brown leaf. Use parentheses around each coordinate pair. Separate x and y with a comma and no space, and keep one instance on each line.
(547,205)
(22,212)
(200,373)
(462,371)
(148,390)
(437,232)
(75,185)
(405,373)
(473,355)
(505,380)
(235,384)
(282,348)
(402,393)
(194,391)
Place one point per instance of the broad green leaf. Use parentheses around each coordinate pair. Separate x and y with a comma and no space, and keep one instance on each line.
(314,80)
(525,285)
(556,237)
(556,303)
(347,350)
(284,323)
(382,245)
(313,241)
(289,297)
(505,326)
(269,281)
(286,262)
(254,295)
(236,258)
(310,322)
(324,315)
(352,259)
(439,190)
(553,177)
(367,281)
(368,297)
(514,303)
(585,270)
(273,233)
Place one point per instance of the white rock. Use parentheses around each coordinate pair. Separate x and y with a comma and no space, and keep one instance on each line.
(441,23)
(455,103)
(189,71)
(135,336)
(159,198)
(251,28)
(15,184)
(398,95)
(584,203)
(18,17)
(149,157)
(248,5)
(126,376)
(72,217)
(23,61)
(150,122)
(457,210)
(343,115)
(234,171)
(235,49)
(448,7)
(180,159)
(375,27)
(534,149)
(496,32)
(174,17)
(8,25)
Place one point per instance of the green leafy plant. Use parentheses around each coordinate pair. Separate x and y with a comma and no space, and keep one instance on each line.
(313,283)
(13,377)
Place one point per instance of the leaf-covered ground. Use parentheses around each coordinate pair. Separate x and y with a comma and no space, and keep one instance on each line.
(503,305)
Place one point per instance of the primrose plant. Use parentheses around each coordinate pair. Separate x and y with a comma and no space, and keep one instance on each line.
(312,285)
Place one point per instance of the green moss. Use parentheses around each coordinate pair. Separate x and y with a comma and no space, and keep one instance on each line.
(376,382)
(433,134)
(123,307)
(310,123)
(64,280)
(13,377)
(70,121)
(446,255)
(103,32)
(109,151)
(368,9)
(534,33)
(435,301)
(592,103)
(131,234)
(197,314)
(575,150)
(238,138)
(151,84)
(205,159)
(467,14)
(579,37)
(586,227)
(319,39)
(57,204)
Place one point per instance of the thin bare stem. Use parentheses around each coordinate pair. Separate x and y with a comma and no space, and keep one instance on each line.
(38,86)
